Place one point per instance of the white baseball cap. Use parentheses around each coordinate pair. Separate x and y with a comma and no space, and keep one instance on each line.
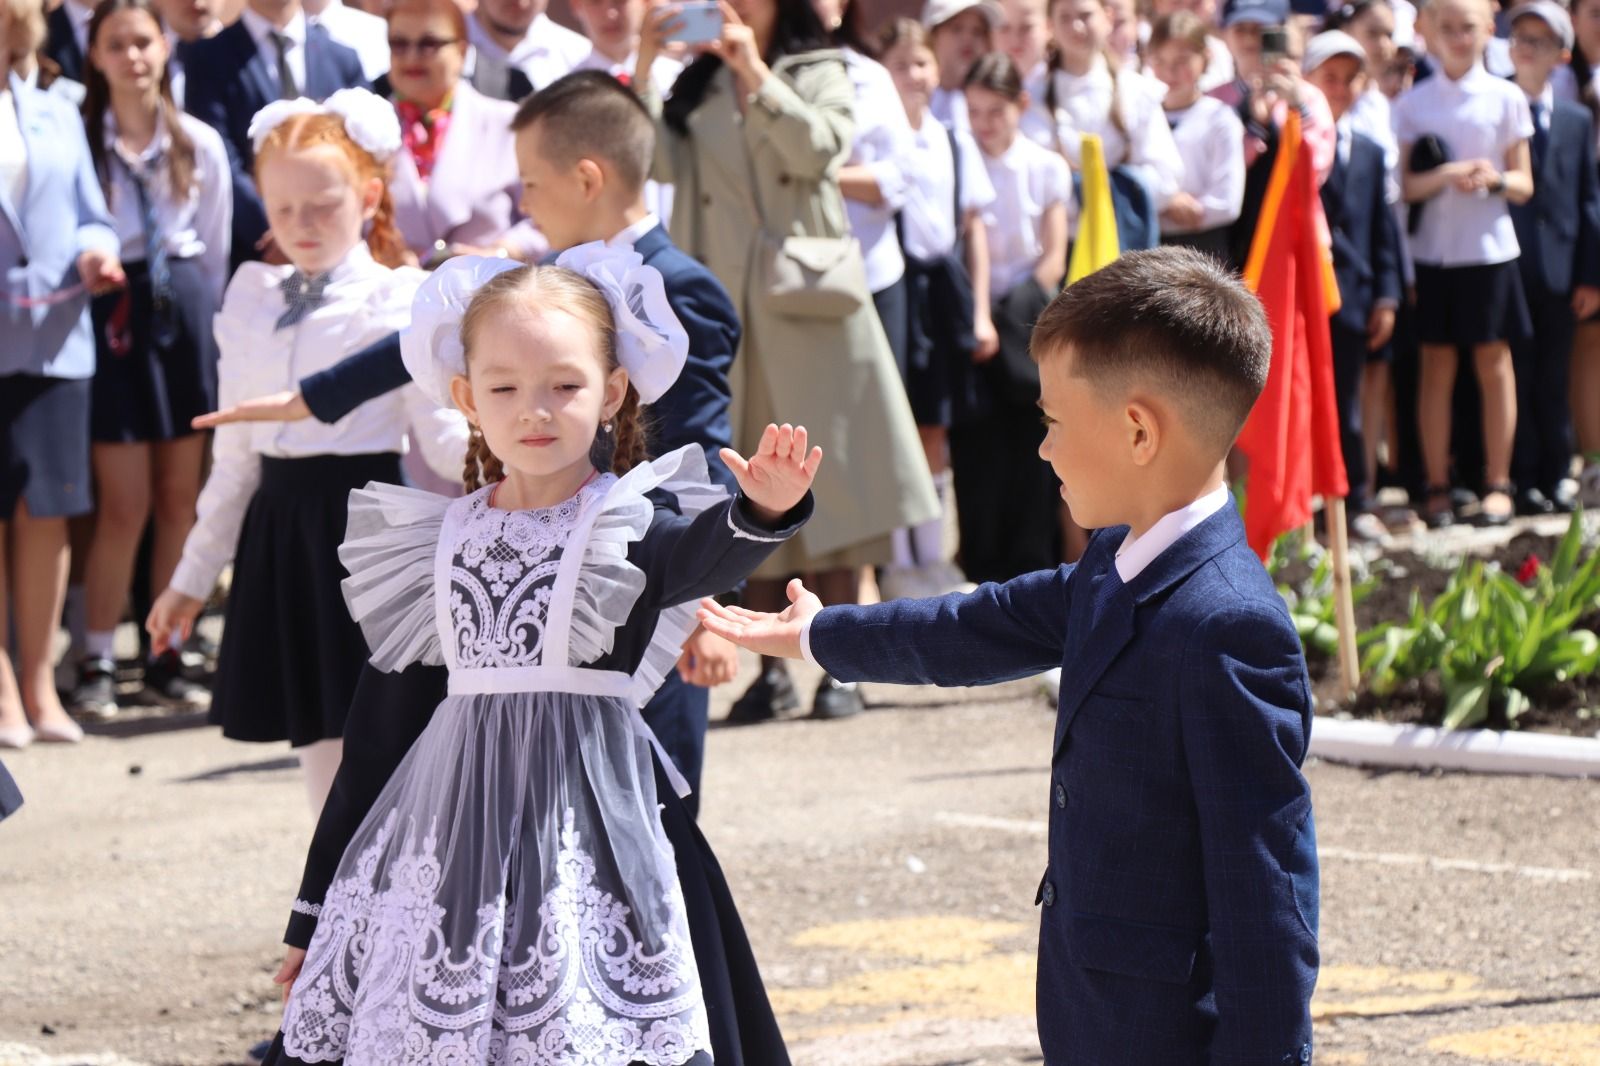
(1551,14)
(938,12)
(1324,46)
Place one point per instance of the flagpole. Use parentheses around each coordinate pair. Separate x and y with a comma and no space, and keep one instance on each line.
(1344,605)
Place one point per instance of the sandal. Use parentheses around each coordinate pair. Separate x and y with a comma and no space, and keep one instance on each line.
(1501,516)
(1438,517)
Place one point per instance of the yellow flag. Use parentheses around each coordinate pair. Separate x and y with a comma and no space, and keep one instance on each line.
(1097,242)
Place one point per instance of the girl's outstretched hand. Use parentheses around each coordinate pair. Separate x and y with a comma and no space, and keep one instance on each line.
(764,634)
(779,474)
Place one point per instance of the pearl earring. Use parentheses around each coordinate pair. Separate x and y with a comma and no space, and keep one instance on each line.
(605,427)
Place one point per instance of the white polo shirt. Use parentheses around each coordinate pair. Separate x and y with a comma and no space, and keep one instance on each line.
(1478,116)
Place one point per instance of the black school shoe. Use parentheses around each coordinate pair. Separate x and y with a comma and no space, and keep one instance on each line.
(1532,502)
(771,695)
(163,679)
(836,699)
(95,695)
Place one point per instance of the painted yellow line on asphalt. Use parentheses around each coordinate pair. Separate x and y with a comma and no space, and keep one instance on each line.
(1556,1044)
(1376,991)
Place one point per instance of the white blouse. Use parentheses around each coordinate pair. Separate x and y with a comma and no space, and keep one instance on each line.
(1028,180)
(1210,140)
(200,226)
(13,152)
(928,218)
(949,106)
(1478,117)
(1083,105)
(363,303)
(880,143)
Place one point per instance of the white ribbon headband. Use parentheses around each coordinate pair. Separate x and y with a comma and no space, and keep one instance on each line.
(651,343)
(368,119)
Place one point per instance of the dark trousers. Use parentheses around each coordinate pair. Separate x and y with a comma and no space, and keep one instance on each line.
(1349,366)
(894,312)
(1007,498)
(1404,374)
(1543,448)
(678,715)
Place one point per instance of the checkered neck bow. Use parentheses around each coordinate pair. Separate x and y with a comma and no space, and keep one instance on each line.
(300,296)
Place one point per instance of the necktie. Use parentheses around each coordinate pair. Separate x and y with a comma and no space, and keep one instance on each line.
(1541,131)
(287,88)
(163,329)
(300,296)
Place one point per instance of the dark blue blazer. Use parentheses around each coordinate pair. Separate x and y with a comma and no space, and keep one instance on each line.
(61,44)
(1366,240)
(1180,902)
(1559,228)
(227,82)
(694,410)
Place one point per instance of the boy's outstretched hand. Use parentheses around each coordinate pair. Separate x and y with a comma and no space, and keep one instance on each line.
(764,634)
(779,474)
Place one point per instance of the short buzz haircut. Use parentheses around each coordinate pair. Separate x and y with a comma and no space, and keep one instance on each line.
(1170,319)
(589,114)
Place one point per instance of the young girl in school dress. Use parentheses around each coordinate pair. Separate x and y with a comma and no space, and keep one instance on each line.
(1087,89)
(1209,136)
(948,322)
(275,502)
(165,179)
(1008,495)
(512,896)
(1469,289)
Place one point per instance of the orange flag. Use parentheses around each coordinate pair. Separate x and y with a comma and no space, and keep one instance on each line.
(1292,435)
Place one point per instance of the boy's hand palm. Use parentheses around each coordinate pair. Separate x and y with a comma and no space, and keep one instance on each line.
(779,474)
(764,633)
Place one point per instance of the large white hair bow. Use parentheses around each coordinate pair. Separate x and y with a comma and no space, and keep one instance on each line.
(368,119)
(651,343)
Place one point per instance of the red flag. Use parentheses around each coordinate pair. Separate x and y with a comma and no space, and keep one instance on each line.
(1292,435)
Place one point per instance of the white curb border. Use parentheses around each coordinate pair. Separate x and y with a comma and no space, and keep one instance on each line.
(1479,750)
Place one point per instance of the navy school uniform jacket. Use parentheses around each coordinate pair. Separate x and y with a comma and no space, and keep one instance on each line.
(693,411)
(228,82)
(1180,903)
(1366,240)
(1558,230)
(61,44)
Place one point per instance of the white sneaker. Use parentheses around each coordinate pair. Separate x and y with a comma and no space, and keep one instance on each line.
(1050,680)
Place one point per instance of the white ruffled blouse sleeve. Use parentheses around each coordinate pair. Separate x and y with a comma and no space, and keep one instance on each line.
(389,550)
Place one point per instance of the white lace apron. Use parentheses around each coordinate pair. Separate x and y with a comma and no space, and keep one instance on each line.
(512,896)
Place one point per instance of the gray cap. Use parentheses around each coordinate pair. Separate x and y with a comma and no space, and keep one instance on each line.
(1551,14)
(938,12)
(1324,46)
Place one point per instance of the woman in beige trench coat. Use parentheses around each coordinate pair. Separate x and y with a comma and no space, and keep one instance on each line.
(753,139)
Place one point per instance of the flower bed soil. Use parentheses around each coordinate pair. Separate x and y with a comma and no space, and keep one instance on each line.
(1556,709)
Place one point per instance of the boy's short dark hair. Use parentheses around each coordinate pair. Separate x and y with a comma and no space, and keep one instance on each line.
(590,114)
(1171,318)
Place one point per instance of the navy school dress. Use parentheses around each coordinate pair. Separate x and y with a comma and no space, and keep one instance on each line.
(456,818)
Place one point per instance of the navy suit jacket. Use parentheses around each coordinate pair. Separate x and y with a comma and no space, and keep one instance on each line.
(694,410)
(1180,902)
(1366,240)
(61,44)
(227,82)
(1559,229)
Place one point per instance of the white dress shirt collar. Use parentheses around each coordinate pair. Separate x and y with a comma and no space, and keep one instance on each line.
(261,30)
(630,235)
(140,160)
(1546,99)
(1137,553)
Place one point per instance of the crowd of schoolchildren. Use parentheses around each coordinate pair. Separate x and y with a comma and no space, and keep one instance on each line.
(148,280)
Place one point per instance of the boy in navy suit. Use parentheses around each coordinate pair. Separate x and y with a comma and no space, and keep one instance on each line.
(1366,262)
(1180,902)
(1559,233)
(271,53)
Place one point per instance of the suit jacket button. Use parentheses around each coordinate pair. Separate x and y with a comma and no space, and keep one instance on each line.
(1049,894)
(1061,795)
(1305,1052)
